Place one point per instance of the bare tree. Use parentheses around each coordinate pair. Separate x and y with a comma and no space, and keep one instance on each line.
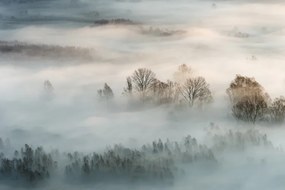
(195,91)
(106,93)
(248,99)
(147,87)
(143,79)
(277,110)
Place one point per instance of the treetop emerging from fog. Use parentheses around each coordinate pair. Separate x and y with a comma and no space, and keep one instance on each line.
(248,99)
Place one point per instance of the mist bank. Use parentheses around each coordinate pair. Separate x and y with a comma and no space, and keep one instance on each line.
(102,94)
(19,51)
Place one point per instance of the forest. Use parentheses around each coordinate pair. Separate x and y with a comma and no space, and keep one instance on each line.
(159,162)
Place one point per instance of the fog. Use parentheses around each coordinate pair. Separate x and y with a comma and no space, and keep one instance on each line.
(79,45)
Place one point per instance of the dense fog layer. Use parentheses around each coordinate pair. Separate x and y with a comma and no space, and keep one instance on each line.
(56,54)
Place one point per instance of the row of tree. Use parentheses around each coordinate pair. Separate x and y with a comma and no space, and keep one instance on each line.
(46,51)
(237,140)
(186,89)
(153,163)
(248,100)
(158,162)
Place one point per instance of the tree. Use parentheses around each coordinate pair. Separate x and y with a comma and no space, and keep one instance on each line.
(106,93)
(48,86)
(248,99)
(143,80)
(277,110)
(159,91)
(250,108)
(86,167)
(184,72)
(171,93)
(48,89)
(1,144)
(166,92)
(129,88)
(195,91)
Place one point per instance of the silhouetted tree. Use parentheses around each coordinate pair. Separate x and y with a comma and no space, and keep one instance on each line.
(195,91)
(248,99)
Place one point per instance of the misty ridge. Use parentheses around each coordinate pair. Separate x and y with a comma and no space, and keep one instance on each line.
(142,94)
(45,51)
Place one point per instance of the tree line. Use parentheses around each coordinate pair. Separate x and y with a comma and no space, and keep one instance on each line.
(248,100)
(143,85)
(46,51)
(158,162)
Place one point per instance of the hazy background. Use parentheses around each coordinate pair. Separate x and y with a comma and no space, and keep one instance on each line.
(218,39)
